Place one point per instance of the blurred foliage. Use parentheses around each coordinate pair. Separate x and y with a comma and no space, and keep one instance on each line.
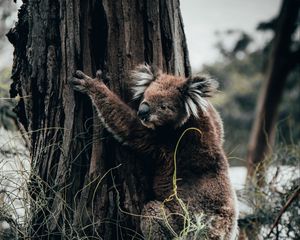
(241,73)
(7,116)
(7,10)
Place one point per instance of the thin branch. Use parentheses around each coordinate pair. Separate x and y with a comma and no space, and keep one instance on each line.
(284,208)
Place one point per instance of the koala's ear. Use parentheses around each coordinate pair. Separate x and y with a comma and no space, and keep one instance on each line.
(196,90)
(141,77)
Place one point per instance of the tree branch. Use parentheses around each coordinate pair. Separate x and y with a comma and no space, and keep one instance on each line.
(283,209)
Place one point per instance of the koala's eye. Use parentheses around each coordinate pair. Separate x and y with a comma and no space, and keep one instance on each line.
(163,107)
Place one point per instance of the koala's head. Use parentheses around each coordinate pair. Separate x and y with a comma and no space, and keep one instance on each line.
(167,100)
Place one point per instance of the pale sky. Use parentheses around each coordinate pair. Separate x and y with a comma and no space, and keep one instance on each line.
(202,18)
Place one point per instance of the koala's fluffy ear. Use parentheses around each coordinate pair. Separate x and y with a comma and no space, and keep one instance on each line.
(141,77)
(196,90)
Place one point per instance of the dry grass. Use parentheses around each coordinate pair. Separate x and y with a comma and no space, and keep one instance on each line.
(282,181)
(18,207)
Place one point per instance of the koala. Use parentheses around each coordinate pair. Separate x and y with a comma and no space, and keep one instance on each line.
(174,118)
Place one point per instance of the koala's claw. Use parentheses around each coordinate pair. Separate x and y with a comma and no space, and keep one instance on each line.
(79,74)
(80,88)
(78,85)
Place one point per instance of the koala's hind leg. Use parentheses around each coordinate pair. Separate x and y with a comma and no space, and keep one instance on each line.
(222,228)
(157,222)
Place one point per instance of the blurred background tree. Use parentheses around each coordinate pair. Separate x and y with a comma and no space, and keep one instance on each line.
(241,72)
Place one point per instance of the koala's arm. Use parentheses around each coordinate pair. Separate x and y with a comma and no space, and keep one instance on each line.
(117,116)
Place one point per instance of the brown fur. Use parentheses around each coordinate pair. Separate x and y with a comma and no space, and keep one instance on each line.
(202,168)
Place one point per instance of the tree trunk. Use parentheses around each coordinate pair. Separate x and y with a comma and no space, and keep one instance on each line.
(83,183)
(280,63)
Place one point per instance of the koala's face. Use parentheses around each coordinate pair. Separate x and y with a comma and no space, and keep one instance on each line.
(167,100)
(161,103)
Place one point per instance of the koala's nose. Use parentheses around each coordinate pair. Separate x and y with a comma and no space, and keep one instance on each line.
(144,110)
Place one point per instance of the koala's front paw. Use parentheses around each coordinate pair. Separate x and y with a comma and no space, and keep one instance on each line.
(81,82)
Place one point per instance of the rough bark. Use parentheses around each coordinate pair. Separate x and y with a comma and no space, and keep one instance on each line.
(280,63)
(83,183)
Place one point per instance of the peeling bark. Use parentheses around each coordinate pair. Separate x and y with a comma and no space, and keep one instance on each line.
(83,183)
